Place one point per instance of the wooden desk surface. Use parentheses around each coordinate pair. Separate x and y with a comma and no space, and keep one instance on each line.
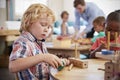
(9,32)
(81,47)
(91,73)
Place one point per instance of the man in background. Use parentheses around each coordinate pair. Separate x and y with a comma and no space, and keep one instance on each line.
(88,11)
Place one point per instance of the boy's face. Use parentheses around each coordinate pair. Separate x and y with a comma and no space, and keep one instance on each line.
(80,8)
(112,27)
(40,29)
(98,27)
(65,17)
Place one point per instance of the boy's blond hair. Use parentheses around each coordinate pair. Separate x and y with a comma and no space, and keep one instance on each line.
(34,13)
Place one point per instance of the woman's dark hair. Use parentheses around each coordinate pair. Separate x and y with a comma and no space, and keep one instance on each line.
(77,2)
(64,12)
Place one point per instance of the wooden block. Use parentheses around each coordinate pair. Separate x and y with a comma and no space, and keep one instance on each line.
(108,76)
(109,67)
(79,63)
(62,43)
(116,67)
(70,67)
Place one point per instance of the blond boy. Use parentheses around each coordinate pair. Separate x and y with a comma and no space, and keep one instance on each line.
(29,57)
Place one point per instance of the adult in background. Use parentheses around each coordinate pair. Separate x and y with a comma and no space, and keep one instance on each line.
(88,11)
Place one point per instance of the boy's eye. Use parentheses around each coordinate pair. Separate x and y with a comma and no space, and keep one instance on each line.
(49,27)
(43,24)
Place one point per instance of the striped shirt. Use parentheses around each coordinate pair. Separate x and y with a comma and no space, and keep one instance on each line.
(25,46)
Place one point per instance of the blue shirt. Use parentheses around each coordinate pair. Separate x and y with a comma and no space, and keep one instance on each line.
(91,12)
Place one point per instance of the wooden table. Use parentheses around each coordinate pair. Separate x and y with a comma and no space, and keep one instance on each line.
(91,73)
(67,51)
(9,32)
(6,37)
(9,35)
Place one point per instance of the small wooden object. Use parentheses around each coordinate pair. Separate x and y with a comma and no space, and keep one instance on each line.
(116,35)
(65,43)
(108,40)
(108,76)
(79,63)
(109,66)
(70,67)
(75,50)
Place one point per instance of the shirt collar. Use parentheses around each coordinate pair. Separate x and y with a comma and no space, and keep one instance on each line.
(29,36)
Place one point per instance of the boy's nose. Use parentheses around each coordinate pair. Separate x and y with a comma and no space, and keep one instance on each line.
(46,29)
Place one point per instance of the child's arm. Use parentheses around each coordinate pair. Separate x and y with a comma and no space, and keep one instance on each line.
(98,49)
(24,63)
(92,53)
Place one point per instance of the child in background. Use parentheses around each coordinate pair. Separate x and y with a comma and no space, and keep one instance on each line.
(64,25)
(112,25)
(29,58)
(98,25)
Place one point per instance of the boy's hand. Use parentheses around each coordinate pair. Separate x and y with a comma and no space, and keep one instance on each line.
(53,60)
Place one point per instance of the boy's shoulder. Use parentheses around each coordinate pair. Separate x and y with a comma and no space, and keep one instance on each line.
(21,39)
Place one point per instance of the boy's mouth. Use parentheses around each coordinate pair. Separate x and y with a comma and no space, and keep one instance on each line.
(43,35)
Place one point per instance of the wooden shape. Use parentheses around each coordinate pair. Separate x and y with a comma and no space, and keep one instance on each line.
(108,76)
(108,40)
(79,63)
(109,67)
(70,67)
(62,43)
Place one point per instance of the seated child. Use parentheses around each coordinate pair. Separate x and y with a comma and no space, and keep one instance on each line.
(64,25)
(29,58)
(98,25)
(112,25)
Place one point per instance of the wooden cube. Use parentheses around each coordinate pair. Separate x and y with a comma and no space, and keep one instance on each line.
(109,67)
(116,67)
(108,76)
(65,43)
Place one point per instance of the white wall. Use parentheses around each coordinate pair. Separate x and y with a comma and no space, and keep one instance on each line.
(107,5)
(59,5)
(2,12)
(22,5)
